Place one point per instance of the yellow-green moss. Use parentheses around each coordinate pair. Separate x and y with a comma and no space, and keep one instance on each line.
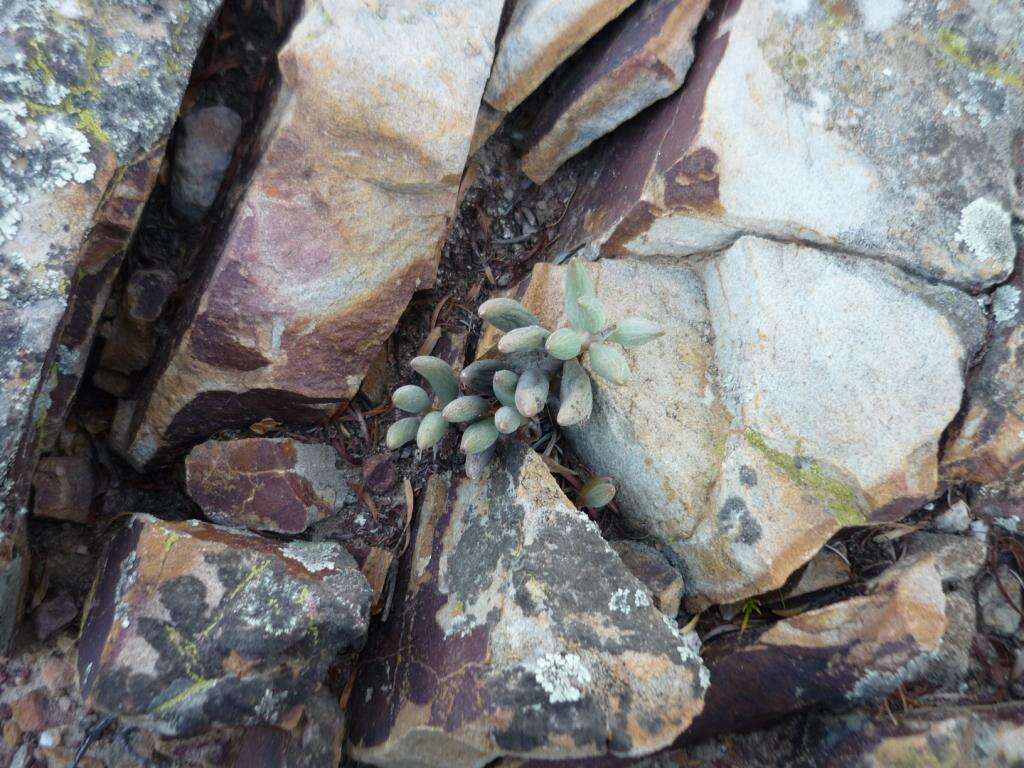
(840,498)
(954,45)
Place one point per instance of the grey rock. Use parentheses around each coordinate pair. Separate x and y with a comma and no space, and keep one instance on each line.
(956,519)
(205,147)
(516,631)
(999,613)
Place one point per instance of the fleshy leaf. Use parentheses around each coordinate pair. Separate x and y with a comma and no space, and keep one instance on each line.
(506,314)
(432,428)
(411,399)
(523,339)
(576,395)
(402,431)
(479,436)
(439,374)
(532,392)
(608,363)
(635,331)
(507,419)
(564,344)
(578,284)
(592,313)
(596,493)
(505,387)
(466,408)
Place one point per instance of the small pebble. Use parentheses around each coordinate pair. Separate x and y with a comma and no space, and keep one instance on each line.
(956,519)
(49,738)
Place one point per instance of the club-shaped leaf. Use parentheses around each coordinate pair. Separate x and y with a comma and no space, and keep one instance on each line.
(576,395)
(522,339)
(476,463)
(564,344)
(466,408)
(505,387)
(506,314)
(476,377)
(596,493)
(411,399)
(507,419)
(439,374)
(608,363)
(635,331)
(432,428)
(532,392)
(479,436)
(578,284)
(592,313)
(402,432)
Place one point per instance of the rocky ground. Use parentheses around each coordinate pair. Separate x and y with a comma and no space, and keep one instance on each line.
(227,229)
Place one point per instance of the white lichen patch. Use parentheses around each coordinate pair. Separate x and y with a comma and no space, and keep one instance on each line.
(314,556)
(563,676)
(985,230)
(1006,304)
(620,602)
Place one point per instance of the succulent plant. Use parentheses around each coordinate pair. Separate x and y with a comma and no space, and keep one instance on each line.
(493,399)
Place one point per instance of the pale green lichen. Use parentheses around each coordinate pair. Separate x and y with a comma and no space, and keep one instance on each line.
(840,498)
(955,45)
(198,686)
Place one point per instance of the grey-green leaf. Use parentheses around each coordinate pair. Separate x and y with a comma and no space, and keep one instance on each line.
(596,493)
(402,432)
(505,387)
(507,314)
(507,419)
(564,344)
(608,363)
(532,392)
(635,331)
(432,428)
(576,395)
(479,436)
(578,284)
(523,339)
(592,313)
(439,374)
(466,408)
(411,399)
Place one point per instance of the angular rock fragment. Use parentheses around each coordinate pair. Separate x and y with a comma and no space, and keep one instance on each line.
(636,60)
(517,631)
(829,568)
(882,129)
(130,342)
(86,101)
(856,650)
(758,425)
(662,581)
(334,230)
(268,484)
(540,35)
(315,742)
(988,444)
(192,626)
(64,487)
(204,151)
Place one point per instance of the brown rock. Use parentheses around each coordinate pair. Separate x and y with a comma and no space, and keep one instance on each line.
(517,631)
(829,568)
(147,293)
(192,626)
(379,473)
(64,487)
(57,674)
(128,346)
(314,742)
(12,734)
(987,444)
(30,711)
(540,35)
(54,614)
(663,582)
(638,59)
(268,484)
(856,650)
(334,230)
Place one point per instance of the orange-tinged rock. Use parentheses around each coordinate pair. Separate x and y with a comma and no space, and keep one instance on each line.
(341,221)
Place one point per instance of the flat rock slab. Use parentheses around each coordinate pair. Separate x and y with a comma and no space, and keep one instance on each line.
(639,58)
(759,424)
(884,129)
(540,35)
(89,93)
(987,445)
(517,631)
(64,489)
(336,227)
(853,651)
(268,484)
(191,625)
